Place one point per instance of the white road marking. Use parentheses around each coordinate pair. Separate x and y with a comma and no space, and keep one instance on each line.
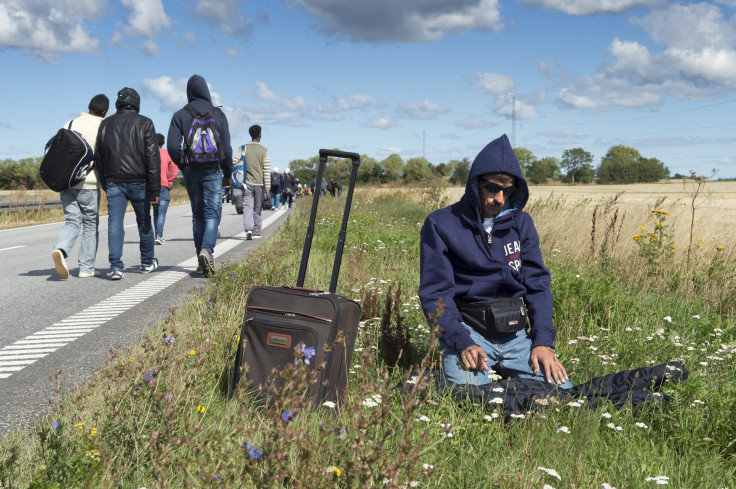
(28,350)
(12,248)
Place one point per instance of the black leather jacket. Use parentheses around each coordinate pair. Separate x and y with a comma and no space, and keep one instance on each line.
(127,149)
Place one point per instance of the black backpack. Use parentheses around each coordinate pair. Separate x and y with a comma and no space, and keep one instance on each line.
(203,146)
(67,161)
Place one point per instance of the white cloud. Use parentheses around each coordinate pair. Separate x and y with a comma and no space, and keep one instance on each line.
(391,20)
(225,15)
(191,37)
(422,110)
(146,19)
(697,60)
(587,7)
(290,111)
(492,83)
(473,122)
(382,122)
(526,104)
(231,52)
(150,48)
(172,94)
(47,28)
(350,102)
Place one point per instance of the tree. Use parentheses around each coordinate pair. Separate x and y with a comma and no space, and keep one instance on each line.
(652,170)
(417,169)
(525,157)
(619,165)
(370,170)
(393,168)
(443,169)
(460,172)
(574,160)
(542,170)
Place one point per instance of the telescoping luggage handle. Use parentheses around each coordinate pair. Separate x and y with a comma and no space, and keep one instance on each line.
(323,154)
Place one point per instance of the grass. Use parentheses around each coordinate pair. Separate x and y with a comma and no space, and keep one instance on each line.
(159,415)
(40,215)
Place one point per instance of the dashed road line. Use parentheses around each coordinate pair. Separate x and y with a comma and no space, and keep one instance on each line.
(24,352)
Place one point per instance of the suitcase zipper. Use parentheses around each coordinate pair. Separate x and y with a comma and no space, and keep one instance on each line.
(285,312)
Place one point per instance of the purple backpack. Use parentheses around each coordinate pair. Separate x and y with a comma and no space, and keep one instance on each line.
(203,146)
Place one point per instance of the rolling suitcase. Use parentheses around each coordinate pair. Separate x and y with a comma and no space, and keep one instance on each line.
(278,319)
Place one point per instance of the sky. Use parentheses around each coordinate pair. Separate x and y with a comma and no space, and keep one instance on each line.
(432,78)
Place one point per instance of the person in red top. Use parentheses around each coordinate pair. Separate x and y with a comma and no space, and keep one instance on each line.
(169,171)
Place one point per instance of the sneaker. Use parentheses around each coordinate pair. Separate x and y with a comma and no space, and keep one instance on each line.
(199,269)
(219,232)
(206,262)
(159,241)
(256,236)
(249,235)
(60,263)
(150,267)
(115,274)
(93,273)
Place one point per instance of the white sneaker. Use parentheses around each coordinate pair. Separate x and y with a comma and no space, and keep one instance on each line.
(249,235)
(256,236)
(150,267)
(219,232)
(159,241)
(60,264)
(93,273)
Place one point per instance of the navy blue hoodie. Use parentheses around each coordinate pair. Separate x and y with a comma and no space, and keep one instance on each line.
(198,95)
(458,263)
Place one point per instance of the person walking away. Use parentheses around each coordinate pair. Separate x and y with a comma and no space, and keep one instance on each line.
(289,189)
(313,184)
(81,203)
(476,251)
(206,163)
(258,179)
(275,189)
(130,170)
(169,171)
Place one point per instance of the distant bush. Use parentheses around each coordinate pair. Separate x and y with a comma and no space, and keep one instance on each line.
(20,174)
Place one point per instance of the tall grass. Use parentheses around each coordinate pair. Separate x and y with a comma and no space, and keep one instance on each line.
(159,414)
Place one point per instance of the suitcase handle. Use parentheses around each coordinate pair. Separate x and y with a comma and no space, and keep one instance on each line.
(323,154)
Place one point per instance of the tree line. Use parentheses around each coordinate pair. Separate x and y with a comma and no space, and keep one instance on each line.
(621,164)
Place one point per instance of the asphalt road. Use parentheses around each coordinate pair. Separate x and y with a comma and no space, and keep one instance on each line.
(48,324)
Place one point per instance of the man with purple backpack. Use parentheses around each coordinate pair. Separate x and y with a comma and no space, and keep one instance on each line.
(199,142)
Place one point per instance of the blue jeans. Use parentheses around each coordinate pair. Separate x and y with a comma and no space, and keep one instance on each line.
(118,196)
(159,212)
(275,200)
(204,188)
(252,206)
(512,355)
(81,212)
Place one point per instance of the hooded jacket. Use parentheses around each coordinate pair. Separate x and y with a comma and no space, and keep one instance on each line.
(127,149)
(198,95)
(459,261)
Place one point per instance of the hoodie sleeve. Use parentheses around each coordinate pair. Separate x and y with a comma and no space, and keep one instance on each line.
(153,159)
(437,282)
(536,279)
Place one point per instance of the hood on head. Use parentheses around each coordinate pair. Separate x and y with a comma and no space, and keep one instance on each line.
(286,170)
(497,157)
(276,169)
(128,99)
(197,89)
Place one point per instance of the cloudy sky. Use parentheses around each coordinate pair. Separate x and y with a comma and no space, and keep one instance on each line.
(438,78)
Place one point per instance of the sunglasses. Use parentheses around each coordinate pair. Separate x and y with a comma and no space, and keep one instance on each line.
(494,188)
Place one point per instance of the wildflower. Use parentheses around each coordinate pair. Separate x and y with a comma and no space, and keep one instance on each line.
(661,480)
(606,485)
(201,409)
(192,352)
(55,425)
(659,211)
(518,416)
(169,339)
(286,416)
(697,316)
(547,486)
(696,402)
(551,472)
(329,404)
(422,418)
(673,247)
(253,452)
(218,477)
(497,389)
(563,429)
(147,377)
(614,427)
(720,248)
(307,353)
(93,432)
(369,402)
(79,425)
(574,404)
(643,229)
(641,425)
(169,397)
(336,471)
(667,318)
(491,417)
(427,466)
(496,400)
(340,433)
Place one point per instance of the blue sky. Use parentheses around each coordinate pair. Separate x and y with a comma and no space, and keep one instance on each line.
(422,77)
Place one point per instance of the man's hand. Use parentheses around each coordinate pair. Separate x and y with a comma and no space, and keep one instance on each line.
(474,358)
(226,182)
(546,358)
(155,200)
(268,193)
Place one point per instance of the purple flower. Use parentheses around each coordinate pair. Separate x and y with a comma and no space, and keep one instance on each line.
(253,452)
(286,417)
(307,352)
(340,432)
(147,377)
(55,425)
(218,477)
(169,339)
(169,397)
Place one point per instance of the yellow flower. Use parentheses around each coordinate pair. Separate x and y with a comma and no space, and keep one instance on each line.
(643,229)
(700,239)
(659,211)
(673,247)
(93,432)
(192,352)
(201,408)
(720,248)
(336,471)
(79,425)
(657,224)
